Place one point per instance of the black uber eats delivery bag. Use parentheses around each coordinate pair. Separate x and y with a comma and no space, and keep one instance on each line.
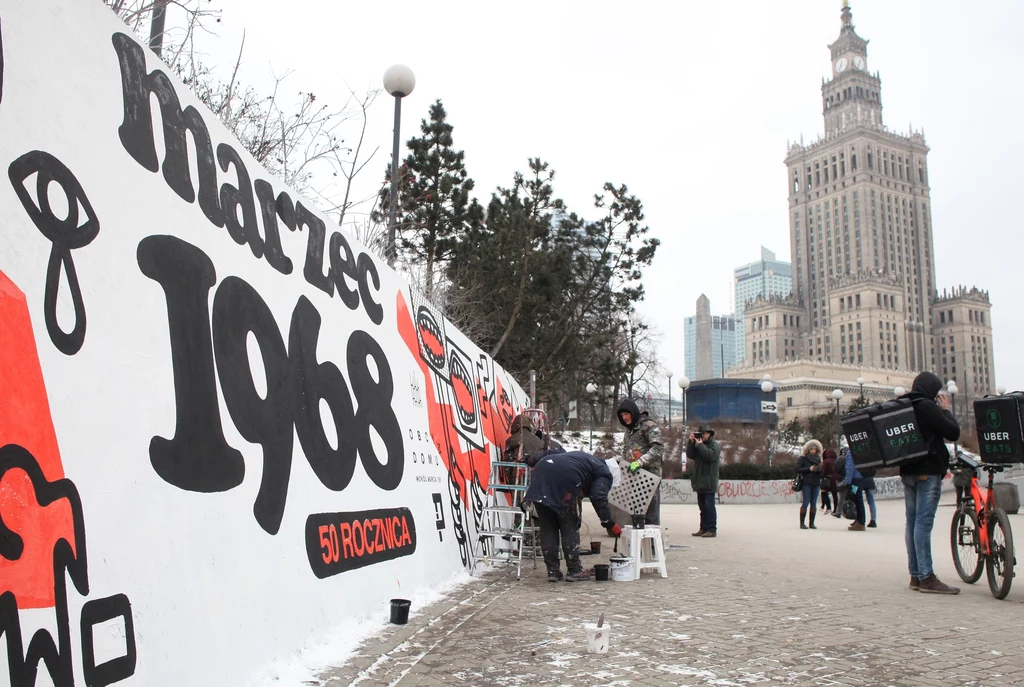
(884,434)
(1000,421)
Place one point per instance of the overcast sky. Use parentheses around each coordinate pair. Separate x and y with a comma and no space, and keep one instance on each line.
(691,105)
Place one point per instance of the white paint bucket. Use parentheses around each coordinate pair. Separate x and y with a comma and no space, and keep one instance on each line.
(623,569)
(597,638)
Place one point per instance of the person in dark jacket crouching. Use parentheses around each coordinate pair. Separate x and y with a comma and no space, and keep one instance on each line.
(922,480)
(810,468)
(558,484)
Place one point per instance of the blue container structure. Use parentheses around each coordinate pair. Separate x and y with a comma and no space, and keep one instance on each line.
(734,400)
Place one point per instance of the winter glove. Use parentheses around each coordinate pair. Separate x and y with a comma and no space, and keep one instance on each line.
(614,530)
(634,466)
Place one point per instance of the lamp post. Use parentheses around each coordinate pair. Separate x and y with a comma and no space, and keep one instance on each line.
(669,398)
(399,82)
(952,389)
(767,387)
(860,381)
(684,384)
(1000,390)
(898,391)
(837,394)
(591,388)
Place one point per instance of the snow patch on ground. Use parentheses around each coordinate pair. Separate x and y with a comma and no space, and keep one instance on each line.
(342,641)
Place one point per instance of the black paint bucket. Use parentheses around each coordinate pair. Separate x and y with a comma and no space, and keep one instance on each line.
(601,572)
(595,547)
(400,611)
(639,522)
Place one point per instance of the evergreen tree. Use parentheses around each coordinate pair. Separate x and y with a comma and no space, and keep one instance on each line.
(435,208)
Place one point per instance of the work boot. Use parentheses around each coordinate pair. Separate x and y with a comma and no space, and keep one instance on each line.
(575,576)
(932,585)
(915,584)
(812,514)
(554,575)
(856,527)
(803,514)
(872,524)
(698,533)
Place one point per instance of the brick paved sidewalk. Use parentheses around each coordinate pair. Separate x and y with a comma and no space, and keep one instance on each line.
(764,603)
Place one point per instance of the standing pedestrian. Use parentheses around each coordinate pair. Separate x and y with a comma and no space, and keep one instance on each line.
(867,484)
(642,448)
(704,452)
(922,480)
(558,483)
(856,492)
(809,467)
(842,483)
(828,481)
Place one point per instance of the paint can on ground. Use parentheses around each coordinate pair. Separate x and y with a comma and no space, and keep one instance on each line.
(622,569)
(400,611)
(597,638)
(595,547)
(601,572)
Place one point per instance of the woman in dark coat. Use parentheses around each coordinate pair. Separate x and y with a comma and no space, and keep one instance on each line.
(828,481)
(809,467)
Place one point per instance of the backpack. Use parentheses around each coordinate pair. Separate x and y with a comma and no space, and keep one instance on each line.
(849,509)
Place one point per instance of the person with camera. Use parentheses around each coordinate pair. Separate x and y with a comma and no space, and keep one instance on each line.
(704,452)
(642,447)
(922,480)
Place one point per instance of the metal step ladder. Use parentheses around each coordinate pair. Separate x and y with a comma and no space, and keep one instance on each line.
(509,532)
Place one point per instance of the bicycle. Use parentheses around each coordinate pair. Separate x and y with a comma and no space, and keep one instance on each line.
(973,545)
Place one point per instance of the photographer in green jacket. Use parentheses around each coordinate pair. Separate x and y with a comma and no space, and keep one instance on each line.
(704,452)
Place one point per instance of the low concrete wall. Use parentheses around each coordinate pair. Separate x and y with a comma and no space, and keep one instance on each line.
(768,491)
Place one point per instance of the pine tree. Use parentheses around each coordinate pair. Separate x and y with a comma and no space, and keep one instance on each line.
(435,208)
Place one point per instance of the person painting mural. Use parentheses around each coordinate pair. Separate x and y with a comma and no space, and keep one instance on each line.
(558,484)
(642,448)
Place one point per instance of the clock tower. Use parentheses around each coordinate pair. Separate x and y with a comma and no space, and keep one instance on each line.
(853,96)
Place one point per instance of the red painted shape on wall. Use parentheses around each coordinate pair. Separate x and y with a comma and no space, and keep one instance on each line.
(25,420)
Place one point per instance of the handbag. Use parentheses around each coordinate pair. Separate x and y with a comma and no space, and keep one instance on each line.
(798,483)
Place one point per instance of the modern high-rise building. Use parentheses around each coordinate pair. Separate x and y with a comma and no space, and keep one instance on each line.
(864,286)
(767,277)
(710,342)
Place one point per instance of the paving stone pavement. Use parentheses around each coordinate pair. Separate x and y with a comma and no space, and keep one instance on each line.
(764,603)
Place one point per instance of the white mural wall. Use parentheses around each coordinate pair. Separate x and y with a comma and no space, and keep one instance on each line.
(225,427)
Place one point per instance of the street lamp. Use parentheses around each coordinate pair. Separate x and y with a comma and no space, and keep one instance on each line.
(684,384)
(898,391)
(669,398)
(399,82)
(591,389)
(766,387)
(952,389)
(860,381)
(1000,390)
(837,394)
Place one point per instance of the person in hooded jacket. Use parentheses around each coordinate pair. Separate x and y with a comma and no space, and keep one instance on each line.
(856,492)
(810,468)
(642,447)
(558,483)
(922,480)
(828,481)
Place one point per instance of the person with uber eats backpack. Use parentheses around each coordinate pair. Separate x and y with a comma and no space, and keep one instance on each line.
(922,480)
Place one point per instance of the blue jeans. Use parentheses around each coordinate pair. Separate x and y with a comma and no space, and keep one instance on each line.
(921,495)
(869,494)
(811,492)
(708,513)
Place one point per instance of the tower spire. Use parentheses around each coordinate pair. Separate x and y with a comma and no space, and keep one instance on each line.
(847,14)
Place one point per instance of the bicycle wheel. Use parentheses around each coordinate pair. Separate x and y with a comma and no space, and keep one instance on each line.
(1000,563)
(964,538)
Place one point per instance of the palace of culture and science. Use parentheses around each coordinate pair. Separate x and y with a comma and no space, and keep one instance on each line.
(865,312)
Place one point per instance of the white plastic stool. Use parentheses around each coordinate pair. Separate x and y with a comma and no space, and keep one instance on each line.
(647,546)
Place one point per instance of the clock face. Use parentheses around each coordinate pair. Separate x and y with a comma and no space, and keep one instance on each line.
(858,62)
(841,64)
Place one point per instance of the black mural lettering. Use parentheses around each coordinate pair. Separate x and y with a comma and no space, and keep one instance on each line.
(115,669)
(270,209)
(238,310)
(232,198)
(368,269)
(198,457)
(343,267)
(136,130)
(314,381)
(65,235)
(374,400)
(338,542)
(313,270)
